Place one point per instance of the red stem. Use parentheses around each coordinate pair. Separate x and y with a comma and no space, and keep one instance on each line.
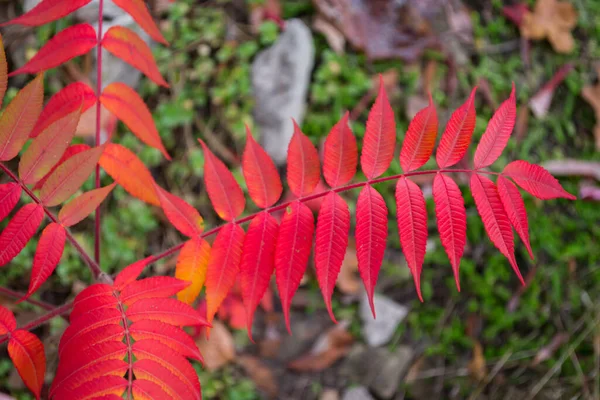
(18,295)
(43,319)
(97,220)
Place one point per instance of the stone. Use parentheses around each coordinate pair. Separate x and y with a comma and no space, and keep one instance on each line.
(379,331)
(357,393)
(389,371)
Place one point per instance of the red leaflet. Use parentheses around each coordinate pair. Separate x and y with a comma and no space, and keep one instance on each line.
(223,266)
(19,231)
(152,371)
(262,178)
(515,208)
(92,298)
(153,287)
(497,133)
(27,353)
(130,172)
(109,367)
(457,136)
(452,220)
(191,267)
(130,273)
(47,11)
(331,242)
(380,136)
(223,190)
(69,176)
(371,236)
(168,335)
(294,243)
(127,106)
(69,99)
(19,117)
(79,208)
(420,138)
(303,169)
(99,388)
(183,216)
(169,311)
(128,46)
(69,43)
(47,256)
(47,148)
(70,152)
(138,10)
(340,154)
(8,323)
(148,390)
(257,262)
(494,217)
(3,72)
(10,193)
(536,181)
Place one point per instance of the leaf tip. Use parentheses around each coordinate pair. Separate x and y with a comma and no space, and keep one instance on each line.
(417,280)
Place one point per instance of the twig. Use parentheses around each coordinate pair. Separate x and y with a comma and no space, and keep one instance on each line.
(97,220)
(19,295)
(64,309)
(497,368)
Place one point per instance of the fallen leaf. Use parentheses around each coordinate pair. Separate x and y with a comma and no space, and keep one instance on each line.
(217,350)
(589,192)
(269,10)
(521,123)
(477,368)
(540,103)
(459,20)
(261,375)
(551,19)
(348,280)
(332,345)
(515,12)
(591,94)
(546,352)
(334,37)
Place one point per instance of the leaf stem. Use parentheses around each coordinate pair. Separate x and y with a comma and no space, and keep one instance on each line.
(43,319)
(18,295)
(97,218)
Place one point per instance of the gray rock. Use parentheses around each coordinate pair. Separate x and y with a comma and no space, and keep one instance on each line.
(280,81)
(379,331)
(357,393)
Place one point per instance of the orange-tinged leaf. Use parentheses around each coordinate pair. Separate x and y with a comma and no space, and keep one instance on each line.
(27,353)
(83,205)
(262,178)
(167,334)
(69,99)
(3,71)
(8,323)
(420,138)
(130,172)
(515,209)
(340,154)
(10,193)
(47,149)
(99,388)
(191,266)
(143,389)
(69,176)
(139,12)
(19,118)
(19,231)
(130,273)
(128,46)
(129,107)
(47,256)
(69,43)
(152,288)
(151,371)
(223,190)
(182,215)
(380,136)
(47,11)
(70,152)
(169,311)
(303,168)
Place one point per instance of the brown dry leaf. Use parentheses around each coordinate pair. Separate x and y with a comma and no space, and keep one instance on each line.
(334,37)
(591,94)
(551,19)
(348,280)
(219,349)
(547,351)
(477,367)
(261,375)
(332,345)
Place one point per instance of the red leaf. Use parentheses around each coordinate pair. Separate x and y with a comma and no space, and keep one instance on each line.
(262,178)
(412,226)
(340,154)
(101,334)
(106,368)
(169,311)
(69,43)
(257,262)
(420,138)
(223,190)
(168,335)
(452,220)
(515,208)
(497,133)
(139,12)
(151,288)
(93,297)
(180,213)
(457,136)
(494,217)
(303,169)
(536,180)
(47,148)
(3,71)
(371,237)
(331,242)
(19,231)
(380,136)
(192,263)
(108,385)
(223,266)
(130,273)
(47,256)
(47,11)
(79,208)
(69,99)
(129,107)
(27,353)
(8,323)
(19,118)
(152,371)
(128,46)
(148,390)
(88,322)
(69,176)
(130,172)
(10,193)
(294,243)
(70,152)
